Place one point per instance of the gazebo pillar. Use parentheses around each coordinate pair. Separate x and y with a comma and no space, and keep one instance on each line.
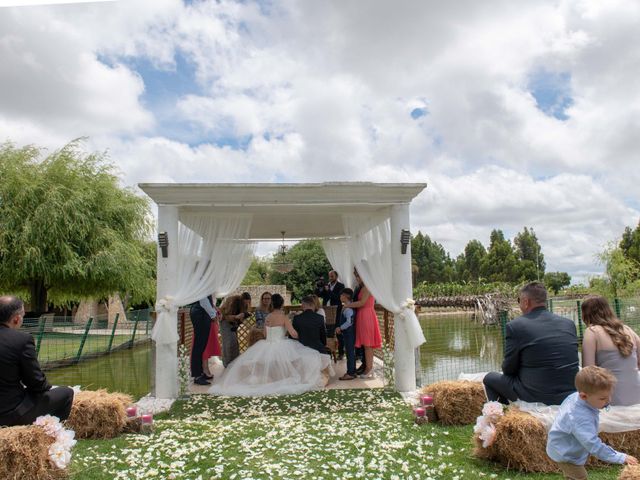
(404,356)
(166,368)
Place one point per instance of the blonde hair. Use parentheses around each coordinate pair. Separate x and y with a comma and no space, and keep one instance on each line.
(595,379)
(596,311)
(316,302)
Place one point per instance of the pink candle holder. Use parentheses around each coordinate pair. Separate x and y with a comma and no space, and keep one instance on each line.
(132,411)
(420,415)
(426,400)
(147,419)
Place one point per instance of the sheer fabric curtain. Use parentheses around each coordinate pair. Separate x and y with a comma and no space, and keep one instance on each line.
(369,246)
(337,252)
(213,258)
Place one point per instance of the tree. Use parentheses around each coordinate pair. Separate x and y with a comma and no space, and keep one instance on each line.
(68,229)
(621,272)
(309,263)
(531,265)
(469,263)
(433,262)
(500,264)
(630,243)
(258,273)
(556,281)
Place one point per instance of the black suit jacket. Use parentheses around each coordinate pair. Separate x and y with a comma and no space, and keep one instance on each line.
(20,372)
(311,330)
(541,356)
(332,297)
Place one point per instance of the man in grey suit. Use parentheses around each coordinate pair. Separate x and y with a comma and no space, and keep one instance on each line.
(541,354)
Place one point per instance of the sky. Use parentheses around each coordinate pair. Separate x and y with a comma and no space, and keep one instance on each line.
(514,113)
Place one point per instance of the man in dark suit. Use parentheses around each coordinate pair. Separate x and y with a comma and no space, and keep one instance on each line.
(25,393)
(202,313)
(310,327)
(330,294)
(541,354)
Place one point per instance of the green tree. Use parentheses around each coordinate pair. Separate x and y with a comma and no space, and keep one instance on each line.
(469,262)
(500,264)
(433,262)
(621,272)
(630,243)
(68,229)
(258,273)
(556,281)
(309,263)
(531,264)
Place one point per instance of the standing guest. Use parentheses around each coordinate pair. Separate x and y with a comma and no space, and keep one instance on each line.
(213,345)
(234,311)
(611,344)
(347,328)
(574,433)
(330,295)
(359,350)
(367,328)
(25,393)
(202,313)
(263,310)
(540,355)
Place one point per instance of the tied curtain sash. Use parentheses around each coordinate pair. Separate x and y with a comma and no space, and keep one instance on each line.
(214,255)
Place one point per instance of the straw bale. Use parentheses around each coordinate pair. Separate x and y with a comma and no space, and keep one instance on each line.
(521,442)
(625,442)
(457,402)
(630,472)
(24,454)
(134,425)
(98,414)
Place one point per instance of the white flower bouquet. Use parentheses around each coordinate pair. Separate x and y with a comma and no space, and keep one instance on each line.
(60,450)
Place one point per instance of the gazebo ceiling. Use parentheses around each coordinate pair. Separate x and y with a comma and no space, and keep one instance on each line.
(302,210)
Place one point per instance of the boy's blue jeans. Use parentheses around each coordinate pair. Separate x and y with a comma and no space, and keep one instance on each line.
(349,338)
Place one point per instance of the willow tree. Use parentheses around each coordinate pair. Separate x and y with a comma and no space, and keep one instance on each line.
(68,229)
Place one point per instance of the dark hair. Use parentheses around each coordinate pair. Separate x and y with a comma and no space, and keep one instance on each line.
(337,276)
(277,301)
(535,291)
(9,307)
(246,296)
(596,311)
(308,300)
(348,292)
(234,305)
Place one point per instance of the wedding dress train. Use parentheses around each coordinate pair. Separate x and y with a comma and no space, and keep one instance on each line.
(274,366)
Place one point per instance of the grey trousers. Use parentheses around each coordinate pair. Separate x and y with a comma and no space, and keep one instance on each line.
(230,347)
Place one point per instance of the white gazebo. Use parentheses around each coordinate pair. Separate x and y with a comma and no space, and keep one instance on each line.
(207,234)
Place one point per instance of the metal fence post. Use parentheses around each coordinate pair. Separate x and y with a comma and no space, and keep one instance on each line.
(551,305)
(135,327)
(503,327)
(113,332)
(618,307)
(41,324)
(579,320)
(84,338)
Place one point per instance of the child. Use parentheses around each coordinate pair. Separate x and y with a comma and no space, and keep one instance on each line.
(348,331)
(574,434)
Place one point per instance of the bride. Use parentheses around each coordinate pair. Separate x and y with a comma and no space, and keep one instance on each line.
(276,365)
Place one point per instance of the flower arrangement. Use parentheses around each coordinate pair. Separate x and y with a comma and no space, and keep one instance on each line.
(184,371)
(485,424)
(60,450)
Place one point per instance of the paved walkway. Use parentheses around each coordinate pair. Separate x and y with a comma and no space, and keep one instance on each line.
(334,383)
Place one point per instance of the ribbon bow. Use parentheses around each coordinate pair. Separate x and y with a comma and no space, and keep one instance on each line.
(165,304)
(411,324)
(164,331)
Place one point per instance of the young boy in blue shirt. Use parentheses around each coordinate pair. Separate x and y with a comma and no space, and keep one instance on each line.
(574,434)
(347,328)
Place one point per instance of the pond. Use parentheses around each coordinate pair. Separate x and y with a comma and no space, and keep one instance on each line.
(457,343)
(126,371)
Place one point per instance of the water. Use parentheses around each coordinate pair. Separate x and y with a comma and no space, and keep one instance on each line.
(456,343)
(127,371)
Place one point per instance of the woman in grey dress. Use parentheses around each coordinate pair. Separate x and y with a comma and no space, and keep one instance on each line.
(610,344)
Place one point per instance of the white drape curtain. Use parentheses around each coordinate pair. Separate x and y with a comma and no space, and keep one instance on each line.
(369,246)
(337,252)
(214,255)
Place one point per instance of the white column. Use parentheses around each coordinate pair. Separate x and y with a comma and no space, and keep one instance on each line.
(167,355)
(404,358)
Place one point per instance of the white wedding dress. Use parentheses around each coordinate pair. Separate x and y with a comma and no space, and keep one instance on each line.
(275,366)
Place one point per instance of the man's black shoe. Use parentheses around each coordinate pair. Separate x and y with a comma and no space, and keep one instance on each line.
(201,380)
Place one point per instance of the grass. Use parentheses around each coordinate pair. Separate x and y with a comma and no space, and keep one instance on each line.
(60,346)
(335,434)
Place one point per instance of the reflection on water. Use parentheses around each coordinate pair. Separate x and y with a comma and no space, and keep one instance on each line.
(127,371)
(457,344)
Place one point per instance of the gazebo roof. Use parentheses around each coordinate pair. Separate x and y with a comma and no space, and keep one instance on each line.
(302,210)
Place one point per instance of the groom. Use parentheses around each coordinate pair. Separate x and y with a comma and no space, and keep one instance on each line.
(310,327)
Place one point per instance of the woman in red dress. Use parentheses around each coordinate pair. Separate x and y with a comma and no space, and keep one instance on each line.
(213,346)
(367,328)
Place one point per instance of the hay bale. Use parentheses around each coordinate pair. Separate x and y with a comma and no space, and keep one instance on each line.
(521,442)
(24,454)
(630,472)
(625,442)
(133,425)
(457,402)
(98,414)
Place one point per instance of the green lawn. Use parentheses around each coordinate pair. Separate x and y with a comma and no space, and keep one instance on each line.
(335,434)
(60,346)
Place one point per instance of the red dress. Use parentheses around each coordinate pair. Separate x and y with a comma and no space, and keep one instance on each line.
(367,328)
(213,343)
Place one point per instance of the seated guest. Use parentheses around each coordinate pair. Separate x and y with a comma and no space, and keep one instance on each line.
(310,326)
(263,310)
(540,357)
(25,393)
(318,307)
(611,344)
